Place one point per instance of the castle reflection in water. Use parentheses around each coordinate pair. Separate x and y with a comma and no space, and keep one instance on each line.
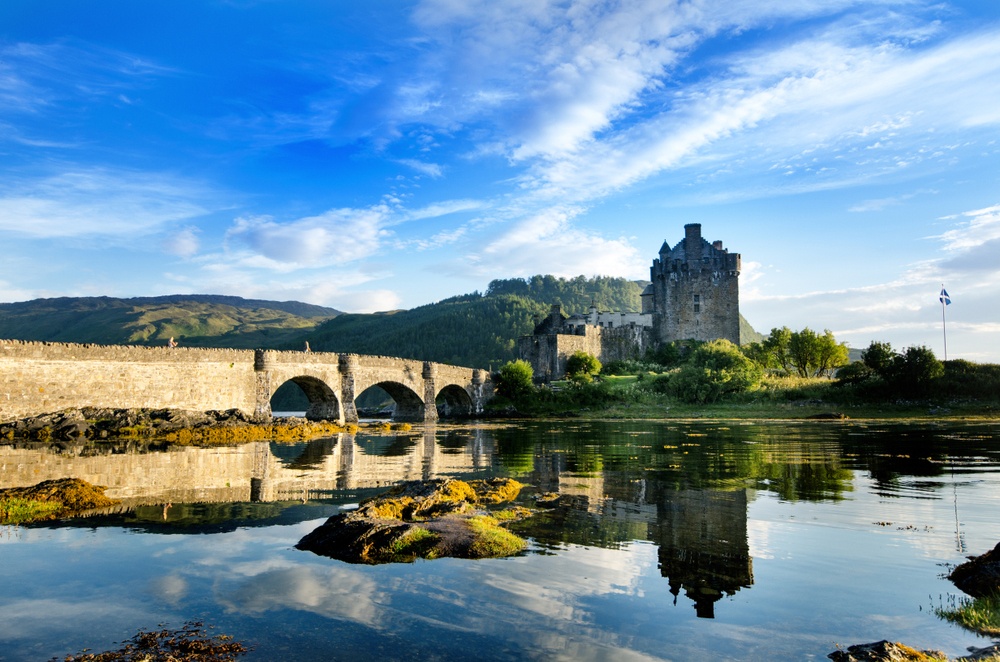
(697,517)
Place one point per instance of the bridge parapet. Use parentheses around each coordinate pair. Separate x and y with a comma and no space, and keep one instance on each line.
(40,377)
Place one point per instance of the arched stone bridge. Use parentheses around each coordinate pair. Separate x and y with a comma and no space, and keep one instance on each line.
(37,377)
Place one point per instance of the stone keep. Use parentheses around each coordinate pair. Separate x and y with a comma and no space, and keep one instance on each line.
(694,295)
(694,291)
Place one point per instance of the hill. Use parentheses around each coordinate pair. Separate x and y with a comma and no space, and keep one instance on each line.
(199,320)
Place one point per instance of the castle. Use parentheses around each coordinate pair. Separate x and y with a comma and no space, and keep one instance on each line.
(694,294)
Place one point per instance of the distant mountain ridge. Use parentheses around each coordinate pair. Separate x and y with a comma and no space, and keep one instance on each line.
(203,320)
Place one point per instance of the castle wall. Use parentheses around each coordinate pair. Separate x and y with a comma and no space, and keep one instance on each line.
(548,353)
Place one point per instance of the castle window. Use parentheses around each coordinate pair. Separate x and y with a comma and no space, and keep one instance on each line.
(697,303)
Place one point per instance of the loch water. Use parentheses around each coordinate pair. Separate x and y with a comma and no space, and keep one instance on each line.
(673,541)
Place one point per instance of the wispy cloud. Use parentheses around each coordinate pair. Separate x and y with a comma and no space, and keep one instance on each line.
(43,77)
(99,202)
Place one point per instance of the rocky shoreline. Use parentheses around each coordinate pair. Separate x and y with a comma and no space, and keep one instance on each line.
(174,425)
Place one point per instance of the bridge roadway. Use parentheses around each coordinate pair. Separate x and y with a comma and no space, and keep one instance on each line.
(41,377)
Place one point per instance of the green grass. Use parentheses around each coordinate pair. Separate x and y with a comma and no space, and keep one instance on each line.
(16,510)
(416,542)
(492,540)
(980,615)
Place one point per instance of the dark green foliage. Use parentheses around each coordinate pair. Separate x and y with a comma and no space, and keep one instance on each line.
(574,294)
(472,329)
(854,373)
(879,357)
(514,380)
(914,373)
(716,369)
(669,354)
(630,367)
(964,379)
(916,368)
(581,367)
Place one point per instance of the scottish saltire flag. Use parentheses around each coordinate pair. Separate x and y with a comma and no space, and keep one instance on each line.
(945,299)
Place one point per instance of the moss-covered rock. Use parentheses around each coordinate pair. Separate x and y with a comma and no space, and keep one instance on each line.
(51,499)
(424,519)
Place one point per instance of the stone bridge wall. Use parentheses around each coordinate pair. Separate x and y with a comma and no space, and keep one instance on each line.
(37,377)
(44,377)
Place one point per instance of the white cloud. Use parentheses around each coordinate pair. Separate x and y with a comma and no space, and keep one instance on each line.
(334,592)
(547,242)
(98,202)
(183,243)
(9,292)
(982,229)
(430,169)
(335,237)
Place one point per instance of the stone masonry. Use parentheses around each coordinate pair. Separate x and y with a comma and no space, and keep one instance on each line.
(41,377)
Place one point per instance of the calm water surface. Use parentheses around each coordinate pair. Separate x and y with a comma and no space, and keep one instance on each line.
(678,541)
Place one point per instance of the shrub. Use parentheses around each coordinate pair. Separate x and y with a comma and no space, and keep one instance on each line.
(581,367)
(716,369)
(514,380)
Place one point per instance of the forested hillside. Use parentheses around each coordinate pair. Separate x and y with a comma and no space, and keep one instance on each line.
(194,320)
(473,329)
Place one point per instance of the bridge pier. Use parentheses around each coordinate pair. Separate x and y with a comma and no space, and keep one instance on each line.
(348,374)
(430,392)
(263,366)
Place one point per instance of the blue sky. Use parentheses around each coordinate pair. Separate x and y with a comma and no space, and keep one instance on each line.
(371,156)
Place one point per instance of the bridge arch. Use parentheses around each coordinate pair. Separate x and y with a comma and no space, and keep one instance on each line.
(409,404)
(323,401)
(454,400)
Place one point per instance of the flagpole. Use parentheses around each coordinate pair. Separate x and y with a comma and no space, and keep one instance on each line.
(944,325)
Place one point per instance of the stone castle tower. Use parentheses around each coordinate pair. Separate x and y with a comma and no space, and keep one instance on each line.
(694,291)
(694,295)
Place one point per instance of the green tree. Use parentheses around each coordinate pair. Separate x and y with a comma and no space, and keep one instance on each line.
(581,367)
(514,380)
(716,369)
(832,355)
(915,369)
(772,352)
(879,357)
(813,355)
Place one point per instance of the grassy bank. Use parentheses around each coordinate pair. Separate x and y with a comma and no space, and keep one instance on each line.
(645,396)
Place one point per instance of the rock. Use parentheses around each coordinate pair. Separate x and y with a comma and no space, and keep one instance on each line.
(74,495)
(988,654)
(980,576)
(427,519)
(885,651)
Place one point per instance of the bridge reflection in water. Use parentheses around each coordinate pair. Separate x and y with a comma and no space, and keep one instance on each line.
(701,533)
